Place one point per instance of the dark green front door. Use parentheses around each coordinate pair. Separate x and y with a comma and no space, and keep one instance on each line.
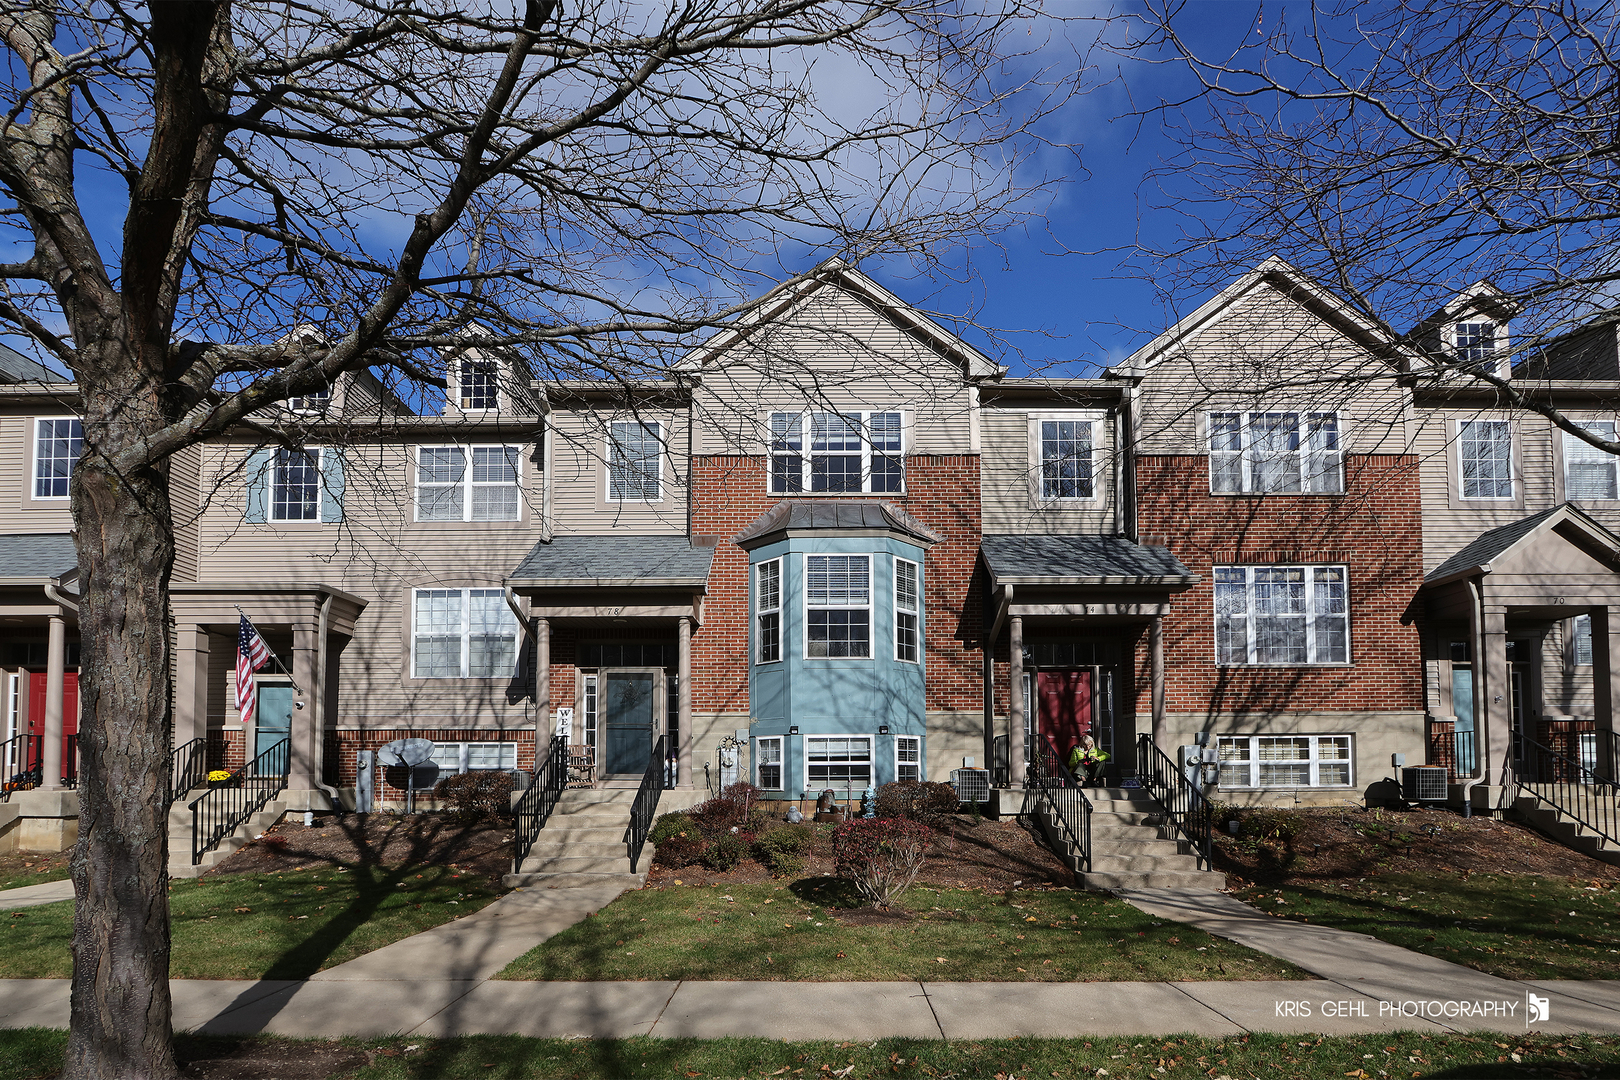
(273,725)
(630,707)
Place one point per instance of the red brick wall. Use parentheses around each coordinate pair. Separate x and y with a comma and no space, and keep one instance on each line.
(942,491)
(1375,529)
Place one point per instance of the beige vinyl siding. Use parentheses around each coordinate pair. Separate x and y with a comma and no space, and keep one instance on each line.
(20,512)
(833,352)
(577,461)
(1449,524)
(186,506)
(1010,482)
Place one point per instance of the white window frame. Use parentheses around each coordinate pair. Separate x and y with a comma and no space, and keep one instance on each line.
(1499,344)
(612,461)
(494,374)
(1579,452)
(761,611)
(467,484)
(1316,475)
(903,744)
(1512,464)
(34,462)
(462,752)
(273,482)
(1576,633)
(805,420)
(871,762)
(313,402)
(1313,762)
(510,622)
(806,607)
(1037,457)
(915,612)
(761,743)
(1311,615)
(590,705)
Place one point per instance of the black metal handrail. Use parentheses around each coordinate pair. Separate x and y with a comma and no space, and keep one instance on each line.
(1583,791)
(1183,800)
(220,811)
(70,762)
(188,764)
(20,760)
(646,805)
(1059,791)
(537,803)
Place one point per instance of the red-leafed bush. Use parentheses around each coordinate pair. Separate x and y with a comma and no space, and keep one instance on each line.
(476,796)
(929,802)
(880,856)
(732,808)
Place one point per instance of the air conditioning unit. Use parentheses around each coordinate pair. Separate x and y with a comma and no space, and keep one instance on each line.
(1426,783)
(972,785)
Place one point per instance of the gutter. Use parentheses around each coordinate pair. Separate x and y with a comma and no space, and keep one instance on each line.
(52,592)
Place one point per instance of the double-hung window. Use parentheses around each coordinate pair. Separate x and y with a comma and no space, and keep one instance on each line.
(838,606)
(312,401)
(1066,466)
(295,485)
(768,763)
(768,610)
(1285,615)
(1275,453)
(454,758)
(908,757)
(1485,449)
(467,483)
(1476,346)
(635,461)
(837,451)
(907,607)
(1589,473)
(479,385)
(463,634)
(1284,761)
(57,445)
(840,762)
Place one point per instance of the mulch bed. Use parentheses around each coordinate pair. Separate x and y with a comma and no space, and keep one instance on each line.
(226,1058)
(1333,844)
(483,849)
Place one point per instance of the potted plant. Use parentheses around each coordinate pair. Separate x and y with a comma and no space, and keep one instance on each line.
(222,778)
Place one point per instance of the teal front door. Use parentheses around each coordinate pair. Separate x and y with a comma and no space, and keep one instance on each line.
(631,713)
(1462,705)
(273,725)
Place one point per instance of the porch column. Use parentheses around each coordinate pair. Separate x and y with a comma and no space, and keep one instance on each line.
(1492,671)
(191,685)
(987,664)
(544,729)
(1605,684)
(50,756)
(1015,696)
(683,720)
(305,737)
(1161,736)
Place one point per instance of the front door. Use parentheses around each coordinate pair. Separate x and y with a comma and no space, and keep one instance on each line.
(1462,705)
(273,725)
(37,683)
(1064,707)
(631,713)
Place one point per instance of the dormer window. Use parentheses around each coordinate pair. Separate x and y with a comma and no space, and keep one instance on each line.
(314,401)
(477,384)
(1476,345)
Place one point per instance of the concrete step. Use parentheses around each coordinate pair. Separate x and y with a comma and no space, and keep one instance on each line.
(1132,817)
(579,864)
(1146,863)
(1153,879)
(180,864)
(1148,847)
(1100,832)
(1564,830)
(582,834)
(553,849)
(526,880)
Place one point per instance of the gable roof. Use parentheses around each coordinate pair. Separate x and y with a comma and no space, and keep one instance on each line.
(17,368)
(794,515)
(1080,560)
(1478,555)
(36,557)
(1286,279)
(668,561)
(783,299)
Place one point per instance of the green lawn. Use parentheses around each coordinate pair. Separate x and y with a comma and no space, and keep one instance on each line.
(790,932)
(17,870)
(33,1053)
(1518,926)
(264,926)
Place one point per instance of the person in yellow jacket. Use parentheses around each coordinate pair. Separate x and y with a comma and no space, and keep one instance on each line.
(1086,760)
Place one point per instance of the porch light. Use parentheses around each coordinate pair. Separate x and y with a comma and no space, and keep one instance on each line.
(793,730)
(883,729)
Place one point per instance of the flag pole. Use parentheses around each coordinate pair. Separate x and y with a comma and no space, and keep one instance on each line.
(286,670)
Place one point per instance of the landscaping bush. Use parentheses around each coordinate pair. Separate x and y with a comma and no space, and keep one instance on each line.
(669,826)
(781,851)
(684,849)
(735,807)
(880,857)
(476,796)
(726,851)
(928,802)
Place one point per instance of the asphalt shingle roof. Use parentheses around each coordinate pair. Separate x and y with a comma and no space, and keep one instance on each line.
(36,555)
(1490,544)
(1021,556)
(651,560)
(17,368)
(797,514)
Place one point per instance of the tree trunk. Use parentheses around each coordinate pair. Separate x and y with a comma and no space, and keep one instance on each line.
(121,1007)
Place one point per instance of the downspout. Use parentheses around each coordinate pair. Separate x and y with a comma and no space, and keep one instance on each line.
(322,627)
(56,597)
(1476,648)
(1127,410)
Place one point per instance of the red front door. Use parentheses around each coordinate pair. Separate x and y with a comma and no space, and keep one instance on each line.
(1065,707)
(70,709)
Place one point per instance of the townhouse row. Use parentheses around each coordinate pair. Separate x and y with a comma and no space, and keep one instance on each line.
(838,545)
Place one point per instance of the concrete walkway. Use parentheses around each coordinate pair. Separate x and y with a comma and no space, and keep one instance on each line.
(34,895)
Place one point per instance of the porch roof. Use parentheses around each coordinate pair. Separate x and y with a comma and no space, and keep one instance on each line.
(36,557)
(1478,555)
(1080,560)
(614,560)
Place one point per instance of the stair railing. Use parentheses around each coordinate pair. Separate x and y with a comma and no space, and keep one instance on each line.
(1058,791)
(221,810)
(1183,800)
(19,764)
(646,805)
(534,809)
(187,767)
(1582,788)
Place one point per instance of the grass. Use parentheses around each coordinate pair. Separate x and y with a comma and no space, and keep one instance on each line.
(264,926)
(36,1052)
(789,932)
(17,870)
(1517,926)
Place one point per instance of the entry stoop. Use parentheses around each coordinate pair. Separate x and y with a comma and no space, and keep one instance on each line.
(180,865)
(1566,830)
(1132,845)
(584,840)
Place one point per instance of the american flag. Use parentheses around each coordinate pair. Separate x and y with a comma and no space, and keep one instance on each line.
(251,655)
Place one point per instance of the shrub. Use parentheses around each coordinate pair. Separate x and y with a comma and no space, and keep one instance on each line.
(927,802)
(726,851)
(880,857)
(684,849)
(735,807)
(669,826)
(476,796)
(782,850)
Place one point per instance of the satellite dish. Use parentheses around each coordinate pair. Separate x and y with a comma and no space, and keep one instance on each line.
(412,752)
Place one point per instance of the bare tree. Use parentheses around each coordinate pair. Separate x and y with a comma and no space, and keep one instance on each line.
(1401,153)
(588,186)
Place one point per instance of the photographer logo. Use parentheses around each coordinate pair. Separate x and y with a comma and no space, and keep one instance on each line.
(1535,1009)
